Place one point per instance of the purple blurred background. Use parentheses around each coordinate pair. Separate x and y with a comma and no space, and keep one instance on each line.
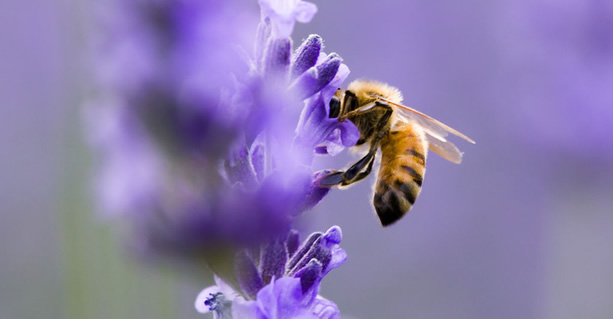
(521,229)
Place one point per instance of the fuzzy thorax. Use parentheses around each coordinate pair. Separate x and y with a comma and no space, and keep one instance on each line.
(367,90)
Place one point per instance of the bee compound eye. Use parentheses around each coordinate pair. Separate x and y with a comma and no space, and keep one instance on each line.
(335,107)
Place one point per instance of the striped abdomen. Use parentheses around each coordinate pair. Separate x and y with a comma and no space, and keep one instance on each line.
(403,165)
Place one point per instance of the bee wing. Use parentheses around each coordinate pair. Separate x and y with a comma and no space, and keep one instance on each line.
(435,131)
(446,149)
(432,126)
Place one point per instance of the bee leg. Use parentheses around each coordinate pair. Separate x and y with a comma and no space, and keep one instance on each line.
(332,178)
(351,108)
(354,173)
(382,122)
(351,175)
(361,175)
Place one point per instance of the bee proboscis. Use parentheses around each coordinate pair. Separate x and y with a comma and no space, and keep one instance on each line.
(404,136)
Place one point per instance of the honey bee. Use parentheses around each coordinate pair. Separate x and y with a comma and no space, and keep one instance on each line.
(404,136)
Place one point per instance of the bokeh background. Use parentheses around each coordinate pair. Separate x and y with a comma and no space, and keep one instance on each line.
(523,228)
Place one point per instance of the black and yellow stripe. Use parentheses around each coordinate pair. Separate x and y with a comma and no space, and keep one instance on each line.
(403,165)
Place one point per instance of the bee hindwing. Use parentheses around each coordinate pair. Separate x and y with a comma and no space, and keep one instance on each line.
(403,165)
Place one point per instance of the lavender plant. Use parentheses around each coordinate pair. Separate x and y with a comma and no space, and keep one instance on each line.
(206,146)
(281,281)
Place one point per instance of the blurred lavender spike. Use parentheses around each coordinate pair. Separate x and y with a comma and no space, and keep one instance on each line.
(200,150)
(217,162)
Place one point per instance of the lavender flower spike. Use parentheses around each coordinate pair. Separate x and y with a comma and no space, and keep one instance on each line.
(294,294)
(210,132)
(222,170)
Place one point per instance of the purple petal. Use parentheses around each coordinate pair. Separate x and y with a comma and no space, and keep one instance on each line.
(333,235)
(281,298)
(309,129)
(306,55)
(317,77)
(332,239)
(316,128)
(304,86)
(328,69)
(332,145)
(339,78)
(339,256)
(344,134)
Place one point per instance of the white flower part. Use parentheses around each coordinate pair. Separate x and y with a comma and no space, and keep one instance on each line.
(203,296)
(305,11)
(220,286)
(284,13)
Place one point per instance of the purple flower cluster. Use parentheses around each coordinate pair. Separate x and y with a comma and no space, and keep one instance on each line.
(206,146)
(188,132)
(280,281)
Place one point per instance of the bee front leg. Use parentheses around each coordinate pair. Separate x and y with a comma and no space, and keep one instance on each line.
(354,173)
(351,175)
(361,175)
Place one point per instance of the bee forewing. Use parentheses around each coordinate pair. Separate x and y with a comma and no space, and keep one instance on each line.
(445,149)
(430,129)
(432,126)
